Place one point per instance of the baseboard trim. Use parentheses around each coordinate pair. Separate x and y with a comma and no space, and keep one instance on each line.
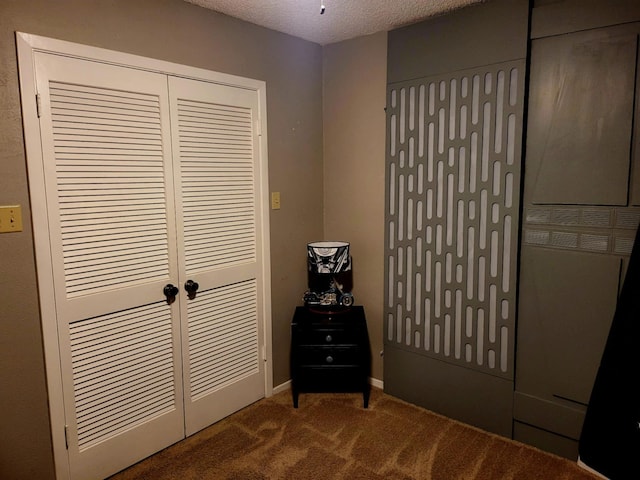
(282,387)
(374,382)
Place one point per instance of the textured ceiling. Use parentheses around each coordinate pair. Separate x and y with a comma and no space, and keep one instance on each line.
(342,19)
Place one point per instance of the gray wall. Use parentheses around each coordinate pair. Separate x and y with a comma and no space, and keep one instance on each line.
(179,32)
(354,83)
(478,35)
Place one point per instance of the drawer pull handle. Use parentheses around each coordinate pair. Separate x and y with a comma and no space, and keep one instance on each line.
(329,359)
(329,338)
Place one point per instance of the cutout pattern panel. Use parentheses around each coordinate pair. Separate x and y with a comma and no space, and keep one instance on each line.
(453,193)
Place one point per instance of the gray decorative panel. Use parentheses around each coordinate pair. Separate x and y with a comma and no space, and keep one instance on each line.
(453,192)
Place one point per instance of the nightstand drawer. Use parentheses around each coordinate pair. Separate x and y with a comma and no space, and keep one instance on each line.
(337,378)
(327,336)
(328,356)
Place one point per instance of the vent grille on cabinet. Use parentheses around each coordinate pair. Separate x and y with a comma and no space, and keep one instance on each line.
(587,229)
(564,239)
(453,185)
(629,218)
(218,184)
(111,192)
(123,371)
(596,218)
(223,337)
(536,237)
(623,245)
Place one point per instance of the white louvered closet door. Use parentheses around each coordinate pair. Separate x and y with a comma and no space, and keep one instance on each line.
(108,172)
(216,150)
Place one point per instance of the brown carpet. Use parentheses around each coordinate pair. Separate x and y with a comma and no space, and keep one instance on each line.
(330,436)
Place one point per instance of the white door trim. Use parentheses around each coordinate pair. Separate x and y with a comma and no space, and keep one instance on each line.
(27,45)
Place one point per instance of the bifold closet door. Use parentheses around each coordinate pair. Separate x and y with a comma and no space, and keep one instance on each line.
(151,181)
(111,221)
(216,150)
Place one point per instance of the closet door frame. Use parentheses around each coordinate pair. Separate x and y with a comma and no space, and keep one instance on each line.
(27,45)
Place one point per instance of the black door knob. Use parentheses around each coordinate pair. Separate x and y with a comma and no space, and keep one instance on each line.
(170,291)
(190,286)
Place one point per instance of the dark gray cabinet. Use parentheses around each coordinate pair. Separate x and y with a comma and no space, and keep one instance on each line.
(579,214)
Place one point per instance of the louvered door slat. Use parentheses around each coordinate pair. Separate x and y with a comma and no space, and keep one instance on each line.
(225,321)
(97,356)
(105,158)
(107,121)
(102,364)
(203,263)
(93,243)
(205,216)
(226,351)
(71,104)
(192,169)
(238,232)
(95,133)
(204,238)
(210,367)
(92,251)
(211,183)
(114,207)
(124,229)
(120,271)
(198,224)
(148,252)
(104,175)
(81,181)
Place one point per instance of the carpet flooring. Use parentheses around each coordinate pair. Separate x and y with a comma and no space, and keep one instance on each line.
(330,436)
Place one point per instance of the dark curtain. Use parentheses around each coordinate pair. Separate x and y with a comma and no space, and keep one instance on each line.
(610,439)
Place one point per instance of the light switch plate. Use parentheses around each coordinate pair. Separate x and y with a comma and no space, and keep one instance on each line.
(275,200)
(10,218)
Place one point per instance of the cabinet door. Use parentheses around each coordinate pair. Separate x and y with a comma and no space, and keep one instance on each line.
(218,168)
(108,172)
(580,118)
(577,224)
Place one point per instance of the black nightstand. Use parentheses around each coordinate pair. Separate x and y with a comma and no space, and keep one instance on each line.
(330,351)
